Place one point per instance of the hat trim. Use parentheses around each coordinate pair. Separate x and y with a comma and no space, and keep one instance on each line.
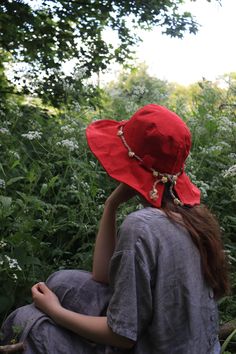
(165,177)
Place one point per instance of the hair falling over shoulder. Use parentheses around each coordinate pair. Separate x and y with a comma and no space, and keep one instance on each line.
(205,232)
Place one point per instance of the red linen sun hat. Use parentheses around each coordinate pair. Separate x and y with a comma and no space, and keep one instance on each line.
(145,152)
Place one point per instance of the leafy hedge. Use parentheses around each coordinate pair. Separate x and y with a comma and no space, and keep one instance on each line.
(52,189)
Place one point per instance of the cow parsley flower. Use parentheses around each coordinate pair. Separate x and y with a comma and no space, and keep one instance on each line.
(230,172)
(2,184)
(12,263)
(4,131)
(32,135)
(67,129)
(3,244)
(69,144)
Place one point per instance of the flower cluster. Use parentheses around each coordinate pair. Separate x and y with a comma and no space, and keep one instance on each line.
(215,148)
(69,144)
(230,172)
(32,135)
(67,129)
(2,184)
(12,262)
(3,244)
(4,131)
(204,187)
(76,107)
(139,90)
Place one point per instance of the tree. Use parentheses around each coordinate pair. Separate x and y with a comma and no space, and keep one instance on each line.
(47,33)
(135,88)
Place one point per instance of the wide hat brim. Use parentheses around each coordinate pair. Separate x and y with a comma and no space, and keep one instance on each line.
(108,148)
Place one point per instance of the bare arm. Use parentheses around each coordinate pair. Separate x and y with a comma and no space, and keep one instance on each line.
(106,237)
(94,328)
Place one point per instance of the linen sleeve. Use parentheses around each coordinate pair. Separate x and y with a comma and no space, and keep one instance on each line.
(130,307)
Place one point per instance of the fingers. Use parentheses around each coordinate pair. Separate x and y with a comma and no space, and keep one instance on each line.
(39,288)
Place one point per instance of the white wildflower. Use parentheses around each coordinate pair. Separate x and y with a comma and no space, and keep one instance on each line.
(69,144)
(67,129)
(12,263)
(226,124)
(7,123)
(101,193)
(139,91)
(73,187)
(232,156)
(85,186)
(230,172)
(224,144)
(211,149)
(74,179)
(15,154)
(209,117)
(2,184)
(76,107)
(4,131)
(32,135)
(204,187)
(3,244)
(92,163)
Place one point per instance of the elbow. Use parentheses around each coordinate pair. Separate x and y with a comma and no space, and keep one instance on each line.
(127,344)
(123,342)
(100,279)
(130,345)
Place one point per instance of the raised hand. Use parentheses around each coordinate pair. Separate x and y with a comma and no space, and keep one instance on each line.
(120,195)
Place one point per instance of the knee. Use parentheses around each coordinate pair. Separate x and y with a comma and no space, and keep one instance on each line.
(67,278)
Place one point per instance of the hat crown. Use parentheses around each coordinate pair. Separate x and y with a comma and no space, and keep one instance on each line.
(159,137)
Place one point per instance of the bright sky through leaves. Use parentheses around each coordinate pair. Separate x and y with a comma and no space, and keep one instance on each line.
(210,53)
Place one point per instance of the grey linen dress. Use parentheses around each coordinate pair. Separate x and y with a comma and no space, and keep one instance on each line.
(157,296)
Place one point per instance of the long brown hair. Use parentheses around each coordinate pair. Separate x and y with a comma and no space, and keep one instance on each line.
(205,232)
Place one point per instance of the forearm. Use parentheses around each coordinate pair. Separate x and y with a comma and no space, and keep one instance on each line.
(105,243)
(92,328)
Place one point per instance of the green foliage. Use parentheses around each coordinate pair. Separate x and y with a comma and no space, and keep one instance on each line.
(134,89)
(43,35)
(51,196)
(52,190)
(48,33)
(226,342)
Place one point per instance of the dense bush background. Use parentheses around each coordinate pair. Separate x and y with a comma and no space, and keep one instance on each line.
(52,189)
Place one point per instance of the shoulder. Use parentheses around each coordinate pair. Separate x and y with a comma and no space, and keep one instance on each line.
(140,227)
(143,217)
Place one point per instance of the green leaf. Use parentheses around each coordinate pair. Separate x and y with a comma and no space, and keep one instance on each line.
(13,180)
(5,201)
(227,341)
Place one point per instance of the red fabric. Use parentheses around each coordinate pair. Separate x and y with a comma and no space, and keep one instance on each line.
(159,137)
